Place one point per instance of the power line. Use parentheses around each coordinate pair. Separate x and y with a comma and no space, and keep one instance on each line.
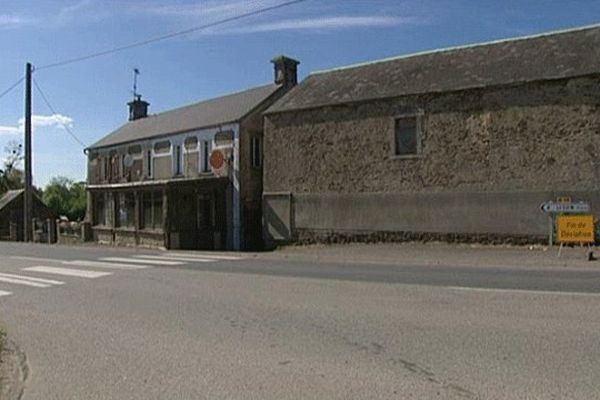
(14,85)
(65,126)
(169,35)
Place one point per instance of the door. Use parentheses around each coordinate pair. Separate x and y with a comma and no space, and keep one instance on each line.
(205,221)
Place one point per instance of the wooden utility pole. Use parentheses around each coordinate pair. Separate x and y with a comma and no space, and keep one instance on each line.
(28,195)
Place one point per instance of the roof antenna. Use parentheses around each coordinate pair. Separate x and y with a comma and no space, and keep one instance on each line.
(136,72)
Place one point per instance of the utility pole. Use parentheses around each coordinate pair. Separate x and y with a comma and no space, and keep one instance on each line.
(28,197)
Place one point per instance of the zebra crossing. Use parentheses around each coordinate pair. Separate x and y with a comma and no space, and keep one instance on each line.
(44,271)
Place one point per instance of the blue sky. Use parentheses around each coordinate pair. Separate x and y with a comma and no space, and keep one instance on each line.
(90,97)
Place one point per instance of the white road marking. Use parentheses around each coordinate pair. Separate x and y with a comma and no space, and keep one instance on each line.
(23,282)
(133,260)
(84,263)
(80,273)
(4,293)
(521,291)
(175,258)
(205,255)
(100,264)
(32,279)
(36,259)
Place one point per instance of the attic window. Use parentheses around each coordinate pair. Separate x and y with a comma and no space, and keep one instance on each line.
(162,147)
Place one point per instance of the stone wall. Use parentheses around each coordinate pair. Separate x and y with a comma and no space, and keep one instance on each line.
(517,141)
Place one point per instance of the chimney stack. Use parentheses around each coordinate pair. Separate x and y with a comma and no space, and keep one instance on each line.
(286,71)
(138,108)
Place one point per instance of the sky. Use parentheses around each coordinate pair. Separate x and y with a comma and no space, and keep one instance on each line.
(88,98)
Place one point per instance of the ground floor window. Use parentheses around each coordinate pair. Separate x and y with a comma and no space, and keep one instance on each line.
(125,209)
(99,209)
(152,210)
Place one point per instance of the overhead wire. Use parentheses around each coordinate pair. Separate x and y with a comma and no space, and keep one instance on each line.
(65,126)
(11,87)
(170,35)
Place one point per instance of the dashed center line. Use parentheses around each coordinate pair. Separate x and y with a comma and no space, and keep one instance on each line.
(24,282)
(4,293)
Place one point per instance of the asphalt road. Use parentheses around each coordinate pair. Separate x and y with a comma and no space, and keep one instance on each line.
(141,326)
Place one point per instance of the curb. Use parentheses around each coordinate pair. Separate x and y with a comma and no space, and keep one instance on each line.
(14,371)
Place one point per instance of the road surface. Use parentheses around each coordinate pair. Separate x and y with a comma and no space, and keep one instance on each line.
(105,323)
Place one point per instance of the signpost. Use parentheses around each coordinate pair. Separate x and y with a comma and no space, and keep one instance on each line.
(575,223)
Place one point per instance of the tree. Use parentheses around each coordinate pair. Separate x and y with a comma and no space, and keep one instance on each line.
(65,197)
(11,177)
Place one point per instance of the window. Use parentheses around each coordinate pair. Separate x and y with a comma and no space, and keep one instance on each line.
(162,147)
(191,143)
(206,156)
(135,150)
(152,210)
(99,209)
(126,209)
(406,140)
(256,149)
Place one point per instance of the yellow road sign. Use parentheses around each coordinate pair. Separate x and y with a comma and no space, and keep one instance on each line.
(575,228)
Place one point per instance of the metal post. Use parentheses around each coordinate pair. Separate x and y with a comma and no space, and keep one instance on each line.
(28,199)
(551,230)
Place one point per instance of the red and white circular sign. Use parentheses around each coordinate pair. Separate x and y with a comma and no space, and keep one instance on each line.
(217,159)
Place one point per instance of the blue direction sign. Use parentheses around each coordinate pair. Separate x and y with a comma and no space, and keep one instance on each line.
(579,207)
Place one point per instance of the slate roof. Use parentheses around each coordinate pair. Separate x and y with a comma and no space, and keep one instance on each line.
(204,114)
(9,196)
(548,56)
(12,195)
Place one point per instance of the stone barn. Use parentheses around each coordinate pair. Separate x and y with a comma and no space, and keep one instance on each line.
(455,144)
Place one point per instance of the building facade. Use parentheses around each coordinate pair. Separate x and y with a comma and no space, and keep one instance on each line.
(454,144)
(189,178)
(11,214)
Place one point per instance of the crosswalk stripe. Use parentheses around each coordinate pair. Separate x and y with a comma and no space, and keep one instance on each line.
(100,264)
(205,255)
(4,293)
(32,279)
(23,282)
(80,273)
(133,260)
(175,258)
(84,263)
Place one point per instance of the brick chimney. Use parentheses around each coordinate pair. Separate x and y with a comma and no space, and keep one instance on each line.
(138,108)
(286,71)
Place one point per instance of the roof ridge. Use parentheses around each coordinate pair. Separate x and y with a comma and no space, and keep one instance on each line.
(196,103)
(459,47)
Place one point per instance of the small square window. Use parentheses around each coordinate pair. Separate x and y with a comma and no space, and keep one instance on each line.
(406,140)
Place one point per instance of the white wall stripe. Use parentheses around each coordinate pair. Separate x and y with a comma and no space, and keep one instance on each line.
(133,260)
(4,293)
(32,279)
(100,264)
(80,273)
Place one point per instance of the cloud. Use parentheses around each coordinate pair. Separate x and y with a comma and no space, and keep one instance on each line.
(9,130)
(14,21)
(38,121)
(208,9)
(323,24)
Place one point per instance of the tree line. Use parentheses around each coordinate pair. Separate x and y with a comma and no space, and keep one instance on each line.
(62,195)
